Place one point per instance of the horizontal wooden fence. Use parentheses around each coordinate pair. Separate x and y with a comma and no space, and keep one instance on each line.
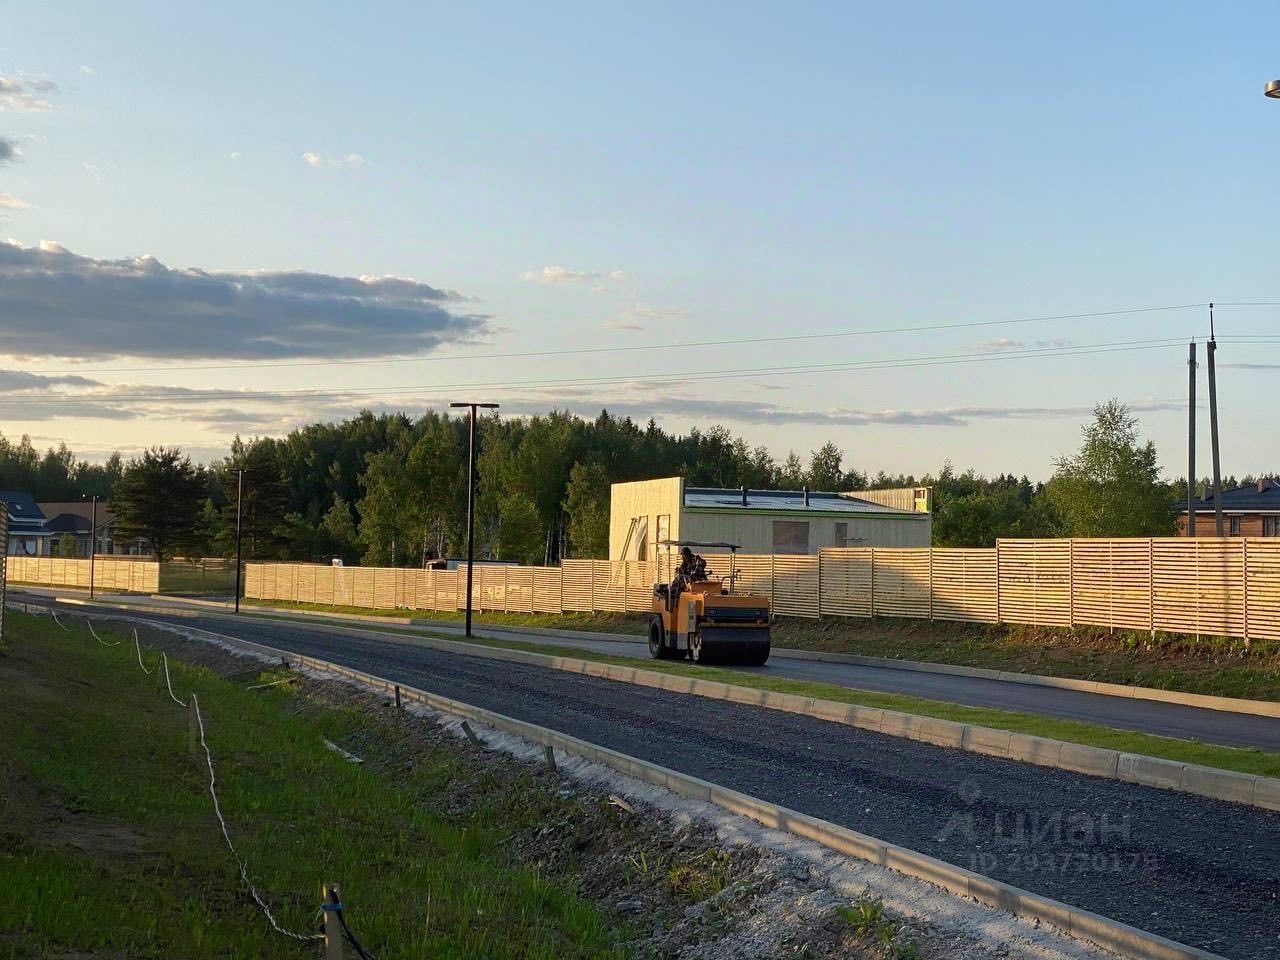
(109,573)
(1227,587)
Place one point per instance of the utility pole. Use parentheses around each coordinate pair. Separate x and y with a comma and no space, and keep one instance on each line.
(1191,441)
(239,506)
(471,500)
(1213,428)
(93,540)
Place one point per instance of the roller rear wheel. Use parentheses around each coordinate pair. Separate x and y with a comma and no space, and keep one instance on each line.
(658,640)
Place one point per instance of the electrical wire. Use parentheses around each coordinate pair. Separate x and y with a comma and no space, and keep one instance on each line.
(164,658)
(631,348)
(138,647)
(244,867)
(696,375)
(89,624)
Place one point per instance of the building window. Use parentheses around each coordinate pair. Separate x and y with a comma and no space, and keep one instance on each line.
(791,536)
(1235,526)
(842,534)
(1271,526)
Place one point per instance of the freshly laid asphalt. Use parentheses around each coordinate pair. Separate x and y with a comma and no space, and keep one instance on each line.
(1199,871)
(1145,716)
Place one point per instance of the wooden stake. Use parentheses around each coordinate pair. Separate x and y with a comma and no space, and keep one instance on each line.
(471,735)
(398,706)
(551,758)
(332,925)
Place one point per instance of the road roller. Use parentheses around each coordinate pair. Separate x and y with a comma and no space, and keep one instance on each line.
(704,617)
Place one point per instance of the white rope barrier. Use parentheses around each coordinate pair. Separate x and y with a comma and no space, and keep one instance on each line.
(164,658)
(244,868)
(60,623)
(99,639)
(137,647)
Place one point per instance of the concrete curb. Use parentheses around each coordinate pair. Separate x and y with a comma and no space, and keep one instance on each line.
(1081,924)
(1216,784)
(1257,708)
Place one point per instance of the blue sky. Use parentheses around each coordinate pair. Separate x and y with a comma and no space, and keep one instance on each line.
(598,175)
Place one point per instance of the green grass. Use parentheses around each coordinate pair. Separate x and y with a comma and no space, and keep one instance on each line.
(109,845)
(184,578)
(631,623)
(1216,666)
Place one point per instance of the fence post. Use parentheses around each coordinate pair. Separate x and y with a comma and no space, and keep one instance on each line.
(819,583)
(1244,576)
(930,549)
(332,925)
(1071,582)
(1151,583)
(998,620)
(873,583)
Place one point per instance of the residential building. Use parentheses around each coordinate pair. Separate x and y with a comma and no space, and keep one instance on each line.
(644,513)
(73,518)
(1248,511)
(27,534)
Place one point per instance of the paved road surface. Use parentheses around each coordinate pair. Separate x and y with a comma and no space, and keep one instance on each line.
(1196,870)
(1147,716)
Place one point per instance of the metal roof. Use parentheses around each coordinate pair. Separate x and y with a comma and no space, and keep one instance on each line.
(717,498)
(1248,499)
(22,506)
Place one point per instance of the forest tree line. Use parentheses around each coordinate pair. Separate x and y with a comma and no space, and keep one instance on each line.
(389,490)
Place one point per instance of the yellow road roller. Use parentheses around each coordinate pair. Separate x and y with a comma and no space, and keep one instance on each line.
(702,616)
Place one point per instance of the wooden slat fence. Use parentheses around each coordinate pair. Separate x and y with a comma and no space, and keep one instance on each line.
(1227,587)
(110,574)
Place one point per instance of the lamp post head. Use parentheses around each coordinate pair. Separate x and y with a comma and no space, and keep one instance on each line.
(1273,90)
(482,406)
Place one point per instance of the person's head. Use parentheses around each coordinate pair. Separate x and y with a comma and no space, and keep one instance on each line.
(686,553)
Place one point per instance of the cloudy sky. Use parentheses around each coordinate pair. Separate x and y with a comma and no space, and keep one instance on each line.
(925,232)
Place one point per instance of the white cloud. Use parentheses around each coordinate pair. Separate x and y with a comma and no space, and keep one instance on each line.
(91,169)
(313,159)
(22,95)
(58,303)
(642,311)
(563,277)
(235,155)
(9,202)
(87,70)
(1001,344)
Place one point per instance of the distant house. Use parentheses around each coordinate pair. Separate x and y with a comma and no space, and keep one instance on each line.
(27,534)
(1251,511)
(644,513)
(73,518)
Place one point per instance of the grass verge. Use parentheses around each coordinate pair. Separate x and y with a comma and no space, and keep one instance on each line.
(1216,666)
(109,845)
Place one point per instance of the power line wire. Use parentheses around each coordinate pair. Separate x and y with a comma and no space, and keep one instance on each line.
(697,375)
(733,341)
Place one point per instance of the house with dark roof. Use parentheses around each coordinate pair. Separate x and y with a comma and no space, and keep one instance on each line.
(1249,511)
(75,518)
(27,534)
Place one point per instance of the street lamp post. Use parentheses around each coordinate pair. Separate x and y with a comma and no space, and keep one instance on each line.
(93,539)
(239,502)
(471,499)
